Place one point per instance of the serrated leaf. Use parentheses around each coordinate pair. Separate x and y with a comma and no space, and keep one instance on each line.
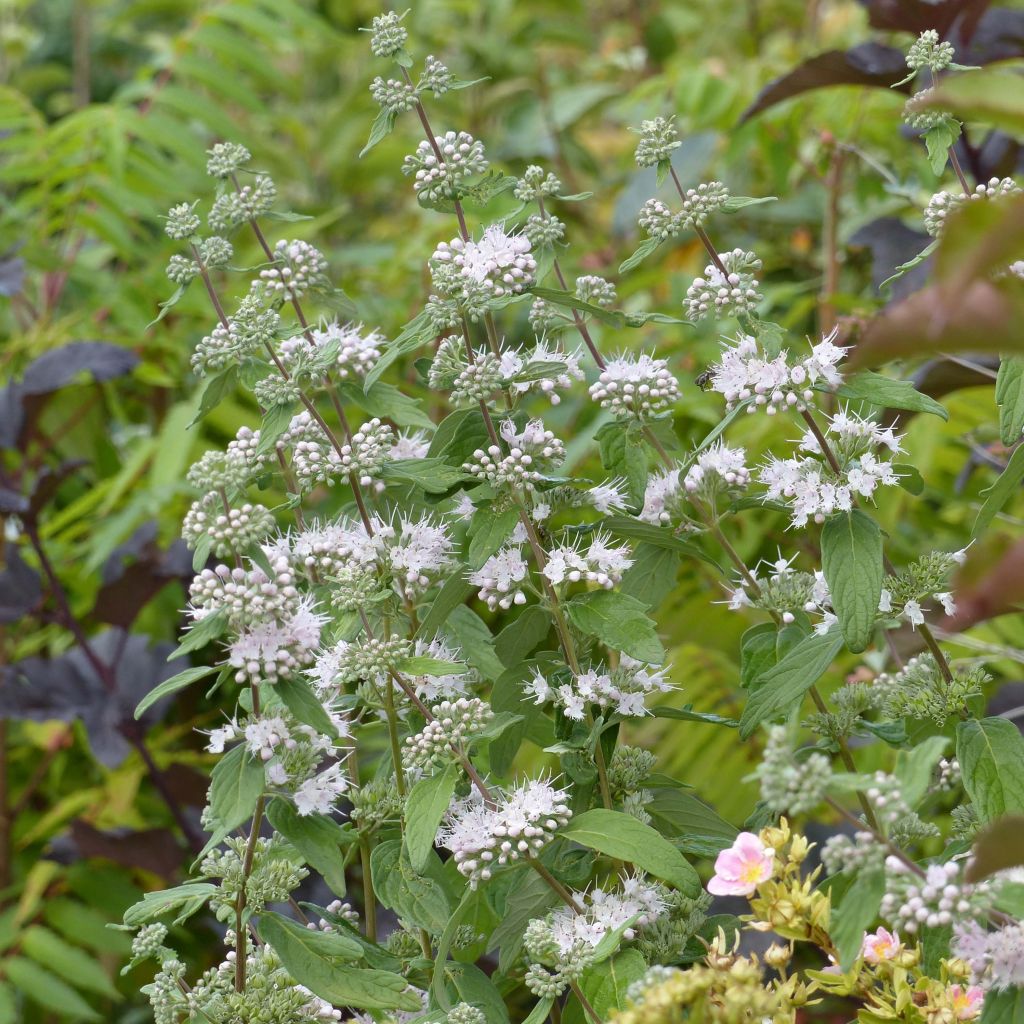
(236,783)
(735,203)
(618,621)
(999,493)
(855,913)
(317,838)
(938,140)
(387,402)
(206,629)
(851,553)
(413,335)
(274,423)
(784,684)
(887,393)
(623,455)
(435,476)
(187,899)
(451,595)
(173,685)
(991,756)
(625,838)
(1010,399)
(428,800)
(303,703)
(218,386)
(642,251)
(382,127)
(488,531)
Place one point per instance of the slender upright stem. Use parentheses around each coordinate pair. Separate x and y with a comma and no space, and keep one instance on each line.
(240,901)
(369,898)
(396,747)
(585,1003)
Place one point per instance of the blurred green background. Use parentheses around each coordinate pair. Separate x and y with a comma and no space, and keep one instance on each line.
(106,109)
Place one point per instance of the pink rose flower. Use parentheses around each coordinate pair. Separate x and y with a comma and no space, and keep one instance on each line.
(881,945)
(967,1001)
(740,869)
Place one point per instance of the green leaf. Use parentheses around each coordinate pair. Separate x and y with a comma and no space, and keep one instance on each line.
(425,665)
(652,576)
(887,393)
(735,203)
(680,816)
(274,423)
(625,838)
(417,897)
(618,621)
(643,250)
(382,127)
(613,318)
(914,768)
(322,968)
(71,963)
(286,216)
(387,402)
(413,335)
(435,476)
(855,913)
(540,1011)
(687,714)
(236,783)
(169,304)
(451,595)
(605,985)
(1001,491)
(758,652)
(519,639)
(474,639)
(317,838)
(488,531)
(938,139)
(299,698)
(910,264)
(187,899)
(529,897)
(428,800)
(46,989)
(1010,398)
(218,386)
(8,1007)
(173,685)
(199,635)
(784,684)
(459,435)
(851,556)
(648,533)
(910,479)
(991,756)
(1004,1007)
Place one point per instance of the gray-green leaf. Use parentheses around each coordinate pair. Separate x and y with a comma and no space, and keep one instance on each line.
(851,554)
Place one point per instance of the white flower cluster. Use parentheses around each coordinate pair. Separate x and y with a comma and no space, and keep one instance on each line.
(271,649)
(454,722)
(500,578)
(357,352)
(733,293)
(622,689)
(316,460)
(323,548)
(500,262)
(942,204)
(660,497)
(462,156)
(996,957)
(746,371)
(299,266)
(639,386)
(415,551)
(602,563)
(248,595)
(810,486)
(604,910)
(939,899)
(532,451)
(716,470)
(482,837)
(230,530)
(519,369)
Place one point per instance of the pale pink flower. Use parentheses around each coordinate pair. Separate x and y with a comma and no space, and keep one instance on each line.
(881,945)
(741,868)
(967,1002)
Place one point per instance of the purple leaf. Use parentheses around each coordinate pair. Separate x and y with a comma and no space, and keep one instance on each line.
(59,367)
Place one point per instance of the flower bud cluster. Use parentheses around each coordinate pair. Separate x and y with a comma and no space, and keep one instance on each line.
(454,723)
(942,204)
(927,51)
(464,1013)
(596,290)
(658,137)
(299,267)
(231,530)
(500,579)
(717,470)
(535,183)
(602,563)
(251,328)
(658,221)
(938,899)
(636,386)
(533,451)
(436,77)
(375,803)
(483,836)
(393,96)
(789,785)
(621,690)
(225,158)
(546,230)
(628,769)
(920,690)
(247,594)
(272,876)
(182,221)
(367,659)
(267,651)
(733,293)
(250,201)
(387,36)
(230,470)
(500,263)
(438,177)
(919,114)
(861,852)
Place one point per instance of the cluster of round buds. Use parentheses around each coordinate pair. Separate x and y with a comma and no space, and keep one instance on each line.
(454,722)
(482,837)
(232,530)
(927,51)
(886,799)
(530,454)
(225,158)
(658,138)
(596,290)
(223,346)
(436,77)
(392,95)
(300,266)
(501,263)
(368,659)
(369,449)
(387,36)
(181,270)
(934,901)
(918,114)
(216,470)
(638,386)
(353,587)
(243,451)
(536,183)
(247,594)
(948,775)
(148,943)
(277,390)
(856,853)
(436,177)
(478,380)
(790,786)
(701,202)
(717,470)
(464,1013)
(546,230)
(340,909)
(234,208)
(182,221)
(658,221)
(733,293)
(500,579)
(942,204)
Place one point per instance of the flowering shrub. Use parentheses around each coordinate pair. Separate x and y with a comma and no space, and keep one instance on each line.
(433,595)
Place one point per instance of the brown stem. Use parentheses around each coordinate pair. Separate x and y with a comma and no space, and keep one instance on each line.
(585,1003)
(240,901)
